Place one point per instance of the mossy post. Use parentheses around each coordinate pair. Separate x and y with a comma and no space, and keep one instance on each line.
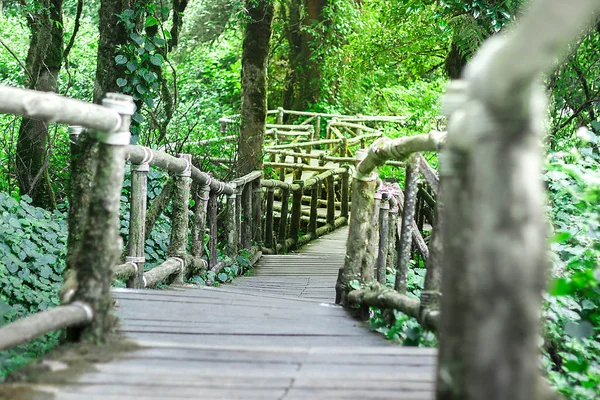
(201,198)
(283,220)
(392,255)
(330,182)
(232,236)
(83,169)
(345,195)
(213,205)
(314,208)
(296,211)
(180,217)
(158,205)
(382,252)
(408,215)
(247,215)
(137,222)
(101,244)
(269,219)
(256,211)
(239,189)
(280,116)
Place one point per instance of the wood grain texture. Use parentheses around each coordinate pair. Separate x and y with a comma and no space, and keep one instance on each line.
(273,335)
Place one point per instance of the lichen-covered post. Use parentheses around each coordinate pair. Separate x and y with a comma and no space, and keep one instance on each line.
(269,219)
(180,217)
(231,226)
(345,196)
(213,206)
(318,127)
(331,200)
(363,192)
(238,216)
(283,220)
(137,221)
(382,252)
(280,115)
(296,211)
(201,198)
(256,211)
(247,215)
(314,207)
(408,214)
(392,255)
(282,159)
(343,147)
(101,243)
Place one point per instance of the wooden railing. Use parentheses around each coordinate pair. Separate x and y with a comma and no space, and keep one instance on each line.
(94,241)
(391,221)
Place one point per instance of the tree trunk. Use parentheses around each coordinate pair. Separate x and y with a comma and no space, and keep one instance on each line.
(255,51)
(112,35)
(303,83)
(44,60)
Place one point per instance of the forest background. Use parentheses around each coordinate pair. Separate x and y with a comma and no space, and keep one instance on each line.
(181,61)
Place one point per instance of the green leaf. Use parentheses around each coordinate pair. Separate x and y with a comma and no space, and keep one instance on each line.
(131,66)
(222,277)
(560,287)
(156,59)
(121,82)
(167,34)
(120,59)
(45,271)
(561,237)
(141,89)
(151,21)
(139,118)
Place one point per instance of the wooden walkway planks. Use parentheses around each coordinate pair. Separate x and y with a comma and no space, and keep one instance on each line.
(273,335)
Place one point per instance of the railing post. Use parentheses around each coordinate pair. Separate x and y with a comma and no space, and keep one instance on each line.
(345,208)
(381,267)
(408,214)
(201,199)
(392,256)
(101,240)
(238,216)
(370,260)
(331,201)
(318,127)
(232,236)
(247,215)
(213,205)
(280,115)
(283,220)
(296,212)
(314,207)
(311,137)
(180,217)
(343,147)
(282,159)
(298,172)
(269,219)
(137,222)
(256,211)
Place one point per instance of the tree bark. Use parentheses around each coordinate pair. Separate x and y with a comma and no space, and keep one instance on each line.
(44,60)
(255,52)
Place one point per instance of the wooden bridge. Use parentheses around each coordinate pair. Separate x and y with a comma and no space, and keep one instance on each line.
(281,333)
(274,335)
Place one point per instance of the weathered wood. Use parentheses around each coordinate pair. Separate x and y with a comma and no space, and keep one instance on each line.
(330,199)
(101,239)
(201,195)
(429,174)
(246,227)
(180,217)
(161,273)
(126,271)
(213,205)
(269,219)
(238,214)
(392,256)
(158,206)
(34,325)
(51,107)
(257,212)
(314,206)
(283,220)
(231,226)
(345,194)
(296,212)
(382,251)
(408,214)
(494,354)
(137,223)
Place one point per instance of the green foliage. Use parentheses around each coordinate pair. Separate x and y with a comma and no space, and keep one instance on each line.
(400,328)
(32,259)
(572,356)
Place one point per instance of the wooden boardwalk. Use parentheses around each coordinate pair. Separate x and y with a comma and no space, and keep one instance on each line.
(272,335)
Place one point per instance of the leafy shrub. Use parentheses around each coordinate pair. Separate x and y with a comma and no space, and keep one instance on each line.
(32,259)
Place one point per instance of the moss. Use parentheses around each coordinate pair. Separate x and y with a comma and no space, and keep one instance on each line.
(79,358)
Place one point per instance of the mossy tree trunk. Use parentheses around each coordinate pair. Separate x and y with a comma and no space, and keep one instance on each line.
(255,52)
(44,60)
